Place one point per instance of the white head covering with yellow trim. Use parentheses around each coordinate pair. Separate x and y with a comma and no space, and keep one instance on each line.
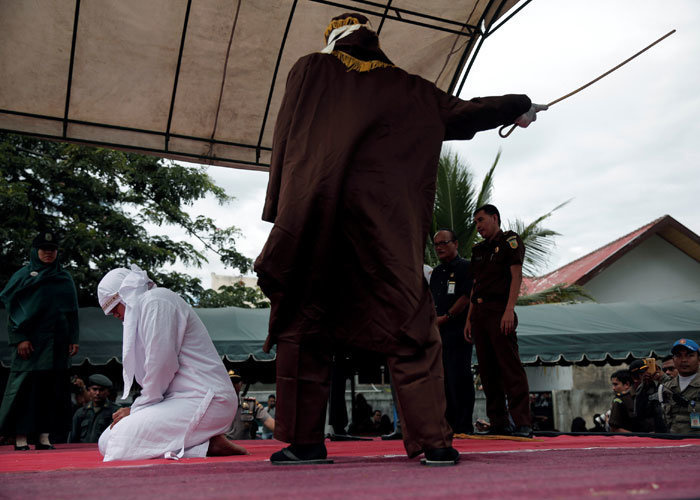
(339,29)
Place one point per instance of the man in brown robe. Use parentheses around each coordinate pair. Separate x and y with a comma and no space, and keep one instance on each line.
(351,192)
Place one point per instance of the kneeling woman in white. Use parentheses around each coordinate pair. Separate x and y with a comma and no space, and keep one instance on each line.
(187,401)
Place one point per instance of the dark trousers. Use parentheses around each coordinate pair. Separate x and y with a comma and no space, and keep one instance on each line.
(502,373)
(303,384)
(42,403)
(459,385)
(337,410)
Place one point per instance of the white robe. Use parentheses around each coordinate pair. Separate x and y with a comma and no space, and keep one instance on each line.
(187,396)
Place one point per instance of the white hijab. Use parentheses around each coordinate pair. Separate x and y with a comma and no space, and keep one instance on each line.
(125,286)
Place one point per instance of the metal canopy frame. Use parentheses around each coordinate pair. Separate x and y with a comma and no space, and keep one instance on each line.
(383,10)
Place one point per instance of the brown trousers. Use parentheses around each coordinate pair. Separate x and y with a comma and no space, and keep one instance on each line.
(303,383)
(502,373)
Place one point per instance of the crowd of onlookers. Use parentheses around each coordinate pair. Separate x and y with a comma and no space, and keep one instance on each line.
(650,396)
(654,397)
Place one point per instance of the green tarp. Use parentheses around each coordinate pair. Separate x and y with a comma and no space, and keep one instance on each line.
(238,334)
(551,333)
(573,333)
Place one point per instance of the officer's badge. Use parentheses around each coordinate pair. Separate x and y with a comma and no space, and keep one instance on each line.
(48,237)
(513,242)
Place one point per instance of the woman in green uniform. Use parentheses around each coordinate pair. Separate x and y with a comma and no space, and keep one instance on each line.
(42,306)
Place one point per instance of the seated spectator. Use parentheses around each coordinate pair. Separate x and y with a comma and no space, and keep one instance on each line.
(244,424)
(622,408)
(542,411)
(90,421)
(381,424)
(578,425)
(270,408)
(681,394)
(667,366)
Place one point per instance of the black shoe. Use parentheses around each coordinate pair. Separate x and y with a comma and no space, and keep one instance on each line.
(496,431)
(22,448)
(301,454)
(523,431)
(438,457)
(40,446)
(397,434)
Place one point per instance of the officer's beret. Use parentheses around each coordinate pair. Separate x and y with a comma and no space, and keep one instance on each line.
(100,380)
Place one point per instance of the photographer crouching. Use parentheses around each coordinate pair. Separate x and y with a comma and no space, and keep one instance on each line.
(249,413)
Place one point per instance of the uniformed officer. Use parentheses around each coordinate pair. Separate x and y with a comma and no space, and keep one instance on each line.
(491,322)
(647,410)
(622,415)
(249,412)
(90,421)
(450,285)
(681,395)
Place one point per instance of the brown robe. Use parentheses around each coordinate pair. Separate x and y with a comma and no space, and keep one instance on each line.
(351,193)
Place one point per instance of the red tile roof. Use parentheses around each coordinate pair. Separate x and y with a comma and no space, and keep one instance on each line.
(584,268)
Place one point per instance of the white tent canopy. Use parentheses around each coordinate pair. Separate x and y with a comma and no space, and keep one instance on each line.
(201,80)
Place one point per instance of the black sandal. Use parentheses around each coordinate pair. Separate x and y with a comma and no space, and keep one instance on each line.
(301,455)
(440,457)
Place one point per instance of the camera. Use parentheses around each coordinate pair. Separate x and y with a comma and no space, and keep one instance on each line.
(248,405)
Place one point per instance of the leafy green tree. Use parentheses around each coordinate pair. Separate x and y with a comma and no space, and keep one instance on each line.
(456,198)
(98,201)
(236,294)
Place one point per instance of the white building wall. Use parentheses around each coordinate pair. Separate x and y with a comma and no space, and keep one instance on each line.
(549,378)
(653,271)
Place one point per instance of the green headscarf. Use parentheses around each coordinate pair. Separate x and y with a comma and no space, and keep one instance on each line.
(38,291)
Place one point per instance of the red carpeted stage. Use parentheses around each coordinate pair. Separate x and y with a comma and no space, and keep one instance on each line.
(595,466)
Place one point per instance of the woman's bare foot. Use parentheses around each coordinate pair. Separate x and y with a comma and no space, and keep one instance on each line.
(219,446)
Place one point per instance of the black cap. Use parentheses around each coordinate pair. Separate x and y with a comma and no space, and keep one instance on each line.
(234,376)
(637,366)
(101,380)
(46,240)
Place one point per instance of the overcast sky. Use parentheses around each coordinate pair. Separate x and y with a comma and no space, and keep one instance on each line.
(625,149)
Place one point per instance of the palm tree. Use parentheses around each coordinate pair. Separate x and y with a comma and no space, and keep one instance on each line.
(456,198)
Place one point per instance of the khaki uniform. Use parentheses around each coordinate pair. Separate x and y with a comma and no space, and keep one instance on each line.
(89,422)
(677,413)
(502,373)
(622,412)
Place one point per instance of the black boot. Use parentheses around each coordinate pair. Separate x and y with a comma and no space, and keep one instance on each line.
(496,431)
(397,434)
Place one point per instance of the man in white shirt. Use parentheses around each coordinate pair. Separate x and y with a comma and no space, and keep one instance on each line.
(187,401)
